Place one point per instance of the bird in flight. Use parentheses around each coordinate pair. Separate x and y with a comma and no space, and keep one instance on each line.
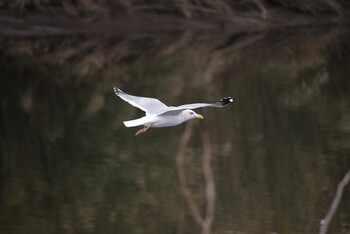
(159,115)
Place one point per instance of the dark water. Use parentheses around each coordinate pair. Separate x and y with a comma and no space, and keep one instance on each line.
(68,164)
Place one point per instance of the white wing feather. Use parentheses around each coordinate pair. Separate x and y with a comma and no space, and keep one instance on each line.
(153,106)
(148,105)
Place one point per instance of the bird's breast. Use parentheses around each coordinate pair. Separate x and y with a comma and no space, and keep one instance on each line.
(167,121)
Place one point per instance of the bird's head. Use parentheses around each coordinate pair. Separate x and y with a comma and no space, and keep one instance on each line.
(190,114)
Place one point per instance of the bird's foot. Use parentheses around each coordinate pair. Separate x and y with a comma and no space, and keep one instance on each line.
(142,130)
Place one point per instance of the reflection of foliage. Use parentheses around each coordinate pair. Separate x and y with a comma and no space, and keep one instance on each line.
(68,167)
(338,69)
(186,8)
(79,177)
(126,17)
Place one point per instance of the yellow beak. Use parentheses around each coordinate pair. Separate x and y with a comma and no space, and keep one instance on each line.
(199,117)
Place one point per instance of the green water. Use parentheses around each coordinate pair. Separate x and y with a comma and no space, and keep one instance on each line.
(68,164)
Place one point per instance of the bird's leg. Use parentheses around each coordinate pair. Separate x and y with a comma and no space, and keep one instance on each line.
(142,130)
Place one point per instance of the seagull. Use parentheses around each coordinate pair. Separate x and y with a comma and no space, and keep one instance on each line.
(159,115)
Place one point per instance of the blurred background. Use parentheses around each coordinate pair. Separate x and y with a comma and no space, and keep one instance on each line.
(269,163)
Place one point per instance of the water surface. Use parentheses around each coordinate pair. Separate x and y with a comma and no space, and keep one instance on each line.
(68,165)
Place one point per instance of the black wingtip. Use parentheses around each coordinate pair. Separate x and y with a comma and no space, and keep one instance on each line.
(225,101)
(117,91)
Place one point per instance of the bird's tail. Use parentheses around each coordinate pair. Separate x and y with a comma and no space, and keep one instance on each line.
(136,122)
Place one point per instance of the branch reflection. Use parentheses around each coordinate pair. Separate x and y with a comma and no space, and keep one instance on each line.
(204,222)
(338,195)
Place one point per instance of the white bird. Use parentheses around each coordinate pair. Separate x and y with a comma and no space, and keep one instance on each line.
(159,115)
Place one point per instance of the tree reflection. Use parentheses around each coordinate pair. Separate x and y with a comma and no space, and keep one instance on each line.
(338,195)
(67,160)
(204,222)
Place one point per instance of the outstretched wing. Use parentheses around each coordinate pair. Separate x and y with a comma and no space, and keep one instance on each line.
(176,109)
(148,105)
